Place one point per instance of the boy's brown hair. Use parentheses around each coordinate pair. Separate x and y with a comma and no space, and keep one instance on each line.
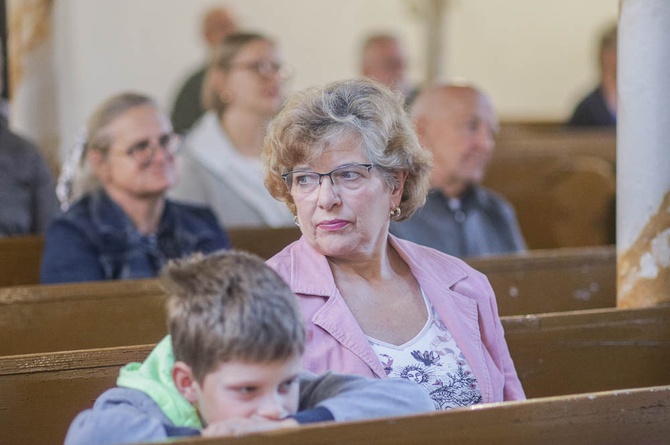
(229,306)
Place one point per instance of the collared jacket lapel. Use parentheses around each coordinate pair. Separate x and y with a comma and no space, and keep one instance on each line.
(462,297)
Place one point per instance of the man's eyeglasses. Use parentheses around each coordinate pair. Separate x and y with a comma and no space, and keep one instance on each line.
(144,151)
(266,69)
(301,183)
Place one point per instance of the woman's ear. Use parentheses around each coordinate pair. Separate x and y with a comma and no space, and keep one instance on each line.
(396,193)
(99,163)
(184,380)
(214,88)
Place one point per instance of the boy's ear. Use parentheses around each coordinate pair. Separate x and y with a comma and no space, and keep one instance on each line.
(182,376)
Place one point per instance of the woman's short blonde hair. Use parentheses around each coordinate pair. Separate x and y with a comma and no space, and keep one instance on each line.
(362,110)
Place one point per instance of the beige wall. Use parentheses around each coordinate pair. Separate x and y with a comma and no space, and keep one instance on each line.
(534,57)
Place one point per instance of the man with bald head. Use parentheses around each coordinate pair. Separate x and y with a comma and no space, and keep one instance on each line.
(461,218)
(217,23)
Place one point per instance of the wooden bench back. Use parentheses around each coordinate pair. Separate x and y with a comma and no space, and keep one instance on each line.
(554,354)
(552,280)
(531,139)
(560,200)
(49,318)
(21,257)
(594,350)
(608,418)
(46,318)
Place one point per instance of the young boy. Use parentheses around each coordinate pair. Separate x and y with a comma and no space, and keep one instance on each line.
(231,365)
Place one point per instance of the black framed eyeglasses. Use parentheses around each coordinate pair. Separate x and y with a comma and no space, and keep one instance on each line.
(345,177)
(144,151)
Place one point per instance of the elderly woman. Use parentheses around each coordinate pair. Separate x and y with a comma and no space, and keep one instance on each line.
(124,227)
(346,161)
(221,160)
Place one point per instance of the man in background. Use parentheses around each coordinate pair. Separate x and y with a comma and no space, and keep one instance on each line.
(598,108)
(217,23)
(27,190)
(461,218)
(384,59)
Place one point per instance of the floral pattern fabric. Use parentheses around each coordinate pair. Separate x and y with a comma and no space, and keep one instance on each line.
(433,360)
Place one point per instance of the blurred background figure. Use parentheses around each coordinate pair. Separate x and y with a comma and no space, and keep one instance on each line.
(217,23)
(460,217)
(27,190)
(123,227)
(221,163)
(385,60)
(598,108)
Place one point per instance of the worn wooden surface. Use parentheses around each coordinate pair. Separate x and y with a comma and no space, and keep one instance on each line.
(529,139)
(47,318)
(594,350)
(20,257)
(561,200)
(552,280)
(41,393)
(554,354)
(638,416)
(264,242)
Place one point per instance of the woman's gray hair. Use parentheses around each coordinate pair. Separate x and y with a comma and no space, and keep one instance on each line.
(77,178)
(361,110)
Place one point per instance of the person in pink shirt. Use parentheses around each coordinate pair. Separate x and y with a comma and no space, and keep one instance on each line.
(346,161)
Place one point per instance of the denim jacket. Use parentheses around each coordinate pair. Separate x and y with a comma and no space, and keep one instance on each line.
(96,240)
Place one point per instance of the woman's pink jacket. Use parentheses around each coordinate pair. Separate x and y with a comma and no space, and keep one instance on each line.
(461,295)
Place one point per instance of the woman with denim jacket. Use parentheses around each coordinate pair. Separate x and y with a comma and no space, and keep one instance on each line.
(124,227)
(346,161)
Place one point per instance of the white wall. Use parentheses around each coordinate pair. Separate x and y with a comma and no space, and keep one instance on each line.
(534,57)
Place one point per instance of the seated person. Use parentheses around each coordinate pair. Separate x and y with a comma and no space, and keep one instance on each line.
(384,59)
(124,227)
(598,108)
(460,217)
(221,163)
(217,23)
(231,365)
(345,158)
(27,191)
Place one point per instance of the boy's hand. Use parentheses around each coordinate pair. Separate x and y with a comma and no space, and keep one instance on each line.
(239,426)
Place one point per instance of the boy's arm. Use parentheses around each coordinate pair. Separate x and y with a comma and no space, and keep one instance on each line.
(348,397)
(121,415)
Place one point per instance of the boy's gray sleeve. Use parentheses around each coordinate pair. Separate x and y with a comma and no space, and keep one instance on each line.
(350,397)
(120,415)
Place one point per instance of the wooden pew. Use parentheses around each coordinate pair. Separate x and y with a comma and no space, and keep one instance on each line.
(264,242)
(607,418)
(592,350)
(561,200)
(560,181)
(529,139)
(46,318)
(552,280)
(41,393)
(555,354)
(20,257)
